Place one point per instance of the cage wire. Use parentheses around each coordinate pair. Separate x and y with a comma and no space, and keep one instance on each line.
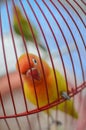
(60,39)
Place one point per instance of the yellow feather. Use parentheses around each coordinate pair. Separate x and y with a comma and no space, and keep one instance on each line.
(67,106)
(40,87)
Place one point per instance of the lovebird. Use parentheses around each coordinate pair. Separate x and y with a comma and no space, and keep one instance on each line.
(25,27)
(32,70)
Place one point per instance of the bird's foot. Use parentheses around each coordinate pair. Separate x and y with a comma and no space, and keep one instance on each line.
(57,122)
(54,125)
(65,95)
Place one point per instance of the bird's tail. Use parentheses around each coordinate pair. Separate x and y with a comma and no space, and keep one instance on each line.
(68,107)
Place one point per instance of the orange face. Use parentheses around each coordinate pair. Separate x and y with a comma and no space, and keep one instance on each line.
(31,67)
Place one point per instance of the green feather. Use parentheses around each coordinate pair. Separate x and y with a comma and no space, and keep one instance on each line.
(25,27)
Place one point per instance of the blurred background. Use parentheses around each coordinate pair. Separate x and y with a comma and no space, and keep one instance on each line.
(69,34)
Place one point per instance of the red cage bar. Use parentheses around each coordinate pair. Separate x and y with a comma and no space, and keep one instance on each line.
(77,89)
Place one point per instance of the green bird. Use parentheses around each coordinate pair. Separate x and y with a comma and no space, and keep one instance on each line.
(25,27)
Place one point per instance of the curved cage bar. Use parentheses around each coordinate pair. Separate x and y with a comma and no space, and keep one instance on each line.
(57,35)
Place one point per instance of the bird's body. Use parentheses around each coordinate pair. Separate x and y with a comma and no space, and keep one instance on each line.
(52,89)
(33,73)
(24,25)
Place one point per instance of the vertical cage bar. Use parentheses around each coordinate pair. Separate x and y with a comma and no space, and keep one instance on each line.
(83,2)
(7,73)
(16,54)
(4,111)
(57,47)
(76,13)
(75,45)
(75,24)
(11,32)
(79,6)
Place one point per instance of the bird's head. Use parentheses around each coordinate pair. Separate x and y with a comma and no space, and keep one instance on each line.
(30,67)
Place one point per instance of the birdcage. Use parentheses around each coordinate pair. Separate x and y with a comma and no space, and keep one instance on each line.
(55,31)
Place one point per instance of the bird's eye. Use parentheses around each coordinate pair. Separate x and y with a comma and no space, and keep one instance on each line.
(34,61)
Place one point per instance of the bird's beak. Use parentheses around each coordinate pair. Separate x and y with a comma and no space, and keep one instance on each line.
(33,72)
